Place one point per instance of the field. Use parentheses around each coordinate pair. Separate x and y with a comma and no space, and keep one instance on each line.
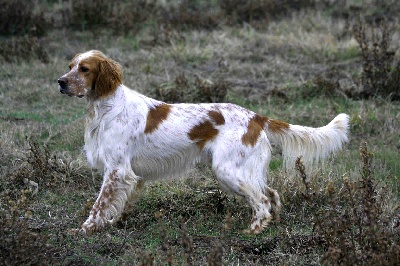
(302,62)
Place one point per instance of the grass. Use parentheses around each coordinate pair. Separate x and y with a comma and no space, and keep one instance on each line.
(296,70)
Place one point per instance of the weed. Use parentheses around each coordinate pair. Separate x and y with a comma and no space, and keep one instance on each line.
(214,258)
(191,14)
(172,92)
(354,226)
(46,169)
(21,245)
(146,259)
(90,14)
(53,186)
(167,249)
(260,13)
(299,166)
(42,167)
(23,48)
(239,11)
(325,85)
(209,91)
(18,17)
(130,17)
(187,244)
(380,75)
(185,90)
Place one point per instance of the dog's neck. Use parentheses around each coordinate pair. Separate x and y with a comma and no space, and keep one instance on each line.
(96,103)
(97,107)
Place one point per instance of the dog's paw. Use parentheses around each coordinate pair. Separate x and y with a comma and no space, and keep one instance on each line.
(77,232)
(252,231)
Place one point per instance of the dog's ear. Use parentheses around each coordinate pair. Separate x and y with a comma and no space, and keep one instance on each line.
(109,77)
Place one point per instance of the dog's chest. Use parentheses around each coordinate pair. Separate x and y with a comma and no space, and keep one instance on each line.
(111,139)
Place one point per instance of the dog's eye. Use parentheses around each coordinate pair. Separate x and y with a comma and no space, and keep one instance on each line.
(84,69)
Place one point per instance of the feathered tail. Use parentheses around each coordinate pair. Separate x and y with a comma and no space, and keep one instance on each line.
(313,144)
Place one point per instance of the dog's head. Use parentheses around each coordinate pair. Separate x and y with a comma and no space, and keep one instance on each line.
(91,74)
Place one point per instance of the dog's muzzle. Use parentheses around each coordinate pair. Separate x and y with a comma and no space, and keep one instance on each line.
(63,85)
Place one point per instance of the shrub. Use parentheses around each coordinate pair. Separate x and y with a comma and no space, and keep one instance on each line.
(207,91)
(380,76)
(42,167)
(191,14)
(20,21)
(239,11)
(354,226)
(129,17)
(23,240)
(91,14)
(48,170)
(259,13)
(185,90)
(21,245)
(18,17)
(23,48)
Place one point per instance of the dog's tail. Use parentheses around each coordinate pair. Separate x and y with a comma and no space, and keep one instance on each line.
(312,144)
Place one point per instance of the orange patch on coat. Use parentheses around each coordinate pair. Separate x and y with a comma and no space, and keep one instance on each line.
(254,128)
(202,133)
(217,117)
(156,116)
(257,124)
(277,126)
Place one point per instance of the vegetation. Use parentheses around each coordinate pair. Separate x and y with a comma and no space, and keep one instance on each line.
(298,61)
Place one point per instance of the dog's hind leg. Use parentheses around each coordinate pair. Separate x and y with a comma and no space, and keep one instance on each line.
(261,206)
(275,201)
(243,169)
(263,200)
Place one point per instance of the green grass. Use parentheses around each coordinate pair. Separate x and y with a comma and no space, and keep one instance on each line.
(270,71)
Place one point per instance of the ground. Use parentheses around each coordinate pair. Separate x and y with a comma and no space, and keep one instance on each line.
(304,67)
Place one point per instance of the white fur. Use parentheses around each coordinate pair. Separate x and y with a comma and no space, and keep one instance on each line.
(312,144)
(116,143)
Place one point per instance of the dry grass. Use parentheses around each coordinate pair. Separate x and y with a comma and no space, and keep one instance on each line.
(380,75)
(357,226)
(300,68)
(185,90)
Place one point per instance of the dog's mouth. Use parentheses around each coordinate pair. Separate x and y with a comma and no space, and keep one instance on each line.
(63,90)
(67,92)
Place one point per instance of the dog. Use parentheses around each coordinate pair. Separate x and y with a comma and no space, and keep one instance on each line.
(131,139)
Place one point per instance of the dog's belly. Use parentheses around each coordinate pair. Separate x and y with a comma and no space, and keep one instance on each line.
(168,165)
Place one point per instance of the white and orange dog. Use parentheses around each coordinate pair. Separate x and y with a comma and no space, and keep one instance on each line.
(131,139)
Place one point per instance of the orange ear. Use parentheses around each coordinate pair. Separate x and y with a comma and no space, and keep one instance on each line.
(108,78)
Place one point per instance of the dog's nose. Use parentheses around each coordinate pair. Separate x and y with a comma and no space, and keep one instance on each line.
(62,82)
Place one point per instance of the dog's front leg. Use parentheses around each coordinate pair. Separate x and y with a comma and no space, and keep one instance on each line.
(116,189)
